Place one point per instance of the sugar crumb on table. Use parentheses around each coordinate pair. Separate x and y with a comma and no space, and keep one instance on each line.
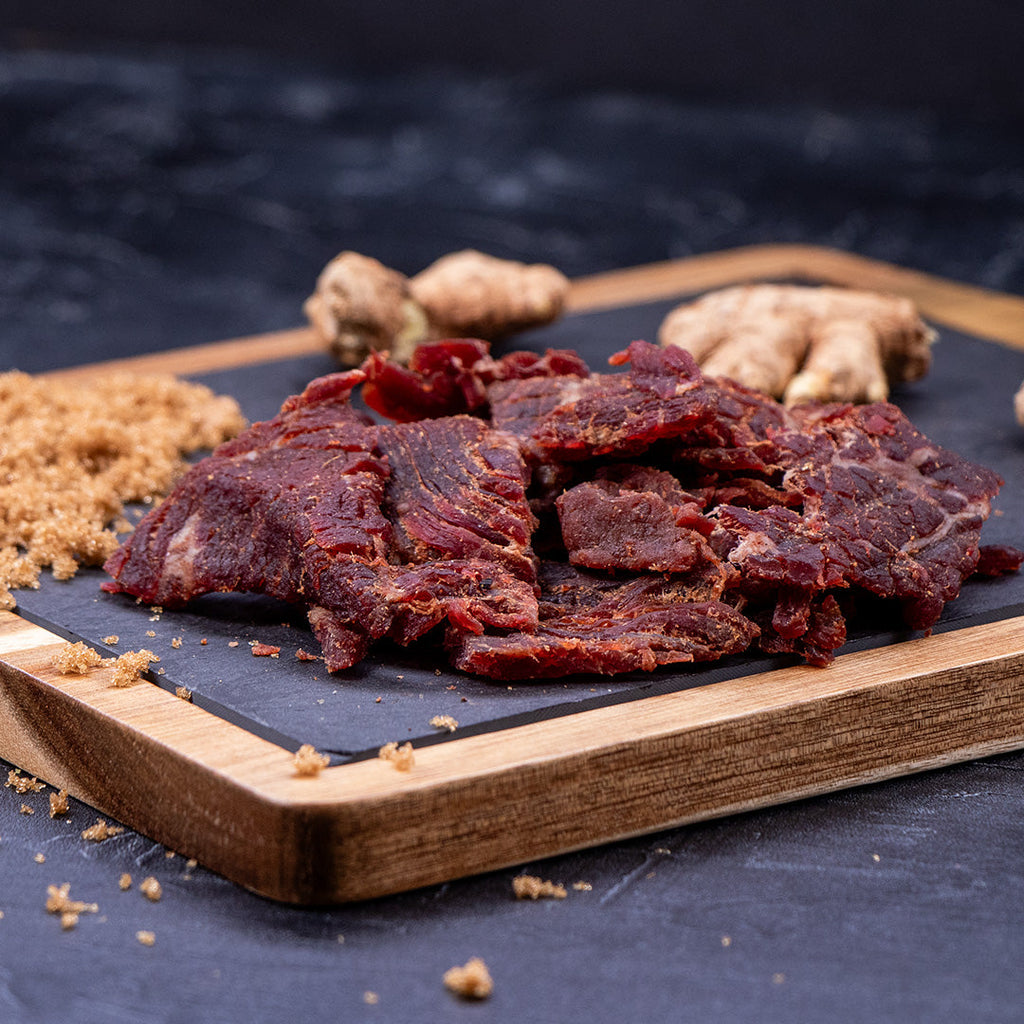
(151,889)
(101,831)
(129,667)
(23,783)
(531,887)
(76,451)
(444,722)
(471,981)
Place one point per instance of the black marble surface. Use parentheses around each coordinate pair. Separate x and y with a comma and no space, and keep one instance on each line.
(148,202)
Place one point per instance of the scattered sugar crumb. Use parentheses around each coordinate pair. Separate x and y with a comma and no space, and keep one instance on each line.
(203,642)
(778,978)
(151,888)
(112,639)
(170,854)
(530,887)
(176,642)
(875,857)
(23,783)
(191,864)
(150,632)
(59,902)
(444,722)
(472,981)
(75,659)
(100,831)
(59,803)
(371,998)
(156,609)
(232,643)
(582,886)
(146,938)
(309,761)
(341,939)
(124,883)
(183,693)
(265,651)
(726,941)
(25,809)
(303,655)
(40,858)
(378,700)
(128,667)
(401,757)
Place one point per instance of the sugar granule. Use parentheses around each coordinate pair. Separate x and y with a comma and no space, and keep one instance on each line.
(530,887)
(128,667)
(444,722)
(101,831)
(59,803)
(146,938)
(23,783)
(309,761)
(401,757)
(75,659)
(151,889)
(59,902)
(471,981)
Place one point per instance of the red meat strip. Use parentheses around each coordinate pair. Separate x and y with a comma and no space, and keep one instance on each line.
(594,626)
(451,377)
(295,508)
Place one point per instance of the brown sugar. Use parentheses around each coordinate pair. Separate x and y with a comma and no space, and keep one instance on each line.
(308,761)
(183,693)
(59,902)
(472,981)
(444,722)
(146,938)
(76,451)
(75,659)
(59,803)
(530,887)
(100,831)
(124,883)
(400,756)
(23,783)
(128,667)
(151,888)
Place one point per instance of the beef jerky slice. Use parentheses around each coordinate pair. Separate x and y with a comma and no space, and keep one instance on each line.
(447,378)
(292,508)
(591,625)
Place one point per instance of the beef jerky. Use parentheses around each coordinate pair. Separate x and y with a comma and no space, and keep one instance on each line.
(608,525)
(450,377)
(293,508)
(591,625)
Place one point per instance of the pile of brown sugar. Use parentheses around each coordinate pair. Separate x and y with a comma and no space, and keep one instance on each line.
(73,452)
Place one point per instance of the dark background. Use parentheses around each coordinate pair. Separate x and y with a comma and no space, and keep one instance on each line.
(178,173)
(955,56)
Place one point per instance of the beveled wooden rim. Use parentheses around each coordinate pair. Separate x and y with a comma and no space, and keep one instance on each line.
(213,791)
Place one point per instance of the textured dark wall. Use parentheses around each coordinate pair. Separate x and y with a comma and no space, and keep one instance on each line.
(957,55)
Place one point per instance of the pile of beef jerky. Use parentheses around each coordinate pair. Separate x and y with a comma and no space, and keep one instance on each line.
(554,521)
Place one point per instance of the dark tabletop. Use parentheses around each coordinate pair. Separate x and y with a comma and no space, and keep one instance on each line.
(150,202)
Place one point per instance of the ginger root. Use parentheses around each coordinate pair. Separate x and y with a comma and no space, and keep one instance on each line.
(361,306)
(804,344)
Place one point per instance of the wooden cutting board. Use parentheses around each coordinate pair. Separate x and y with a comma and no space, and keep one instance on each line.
(217,791)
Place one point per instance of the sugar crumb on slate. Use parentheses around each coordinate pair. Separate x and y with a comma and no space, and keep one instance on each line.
(531,887)
(124,883)
(471,981)
(309,761)
(265,650)
(151,888)
(25,809)
(40,858)
(444,722)
(232,643)
(76,451)
(112,639)
(59,803)
(176,642)
(101,831)
(75,659)
(371,998)
(401,757)
(145,938)
(183,693)
(582,886)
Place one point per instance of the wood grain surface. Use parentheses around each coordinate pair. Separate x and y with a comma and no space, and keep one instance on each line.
(213,791)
